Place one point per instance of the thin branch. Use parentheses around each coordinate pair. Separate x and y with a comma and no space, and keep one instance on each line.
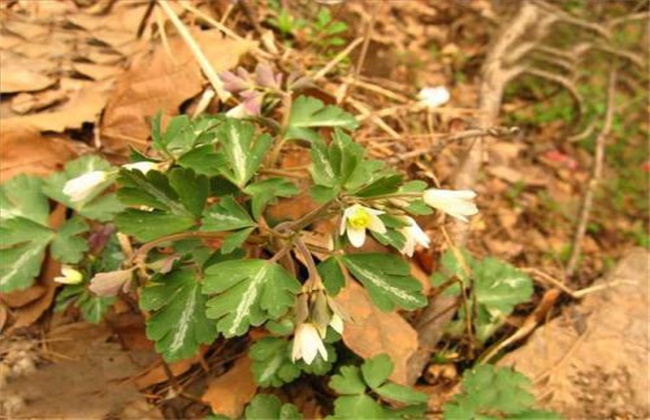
(587,201)
(207,68)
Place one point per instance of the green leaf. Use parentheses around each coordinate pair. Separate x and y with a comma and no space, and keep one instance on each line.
(348,381)
(272,365)
(401,393)
(490,391)
(203,159)
(266,192)
(66,246)
(249,292)
(450,267)
(265,407)
(178,325)
(177,199)
(358,407)
(93,308)
(387,279)
(227,214)
(24,232)
(20,264)
(235,239)
(332,275)
(96,207)
(308,113)
(376,370)
(147,226)
(21,196)
(243,150)
(322,171)
(179,192)
(500,287)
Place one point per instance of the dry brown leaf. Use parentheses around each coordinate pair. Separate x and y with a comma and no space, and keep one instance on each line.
(19,298)
(24,103)
(97,71)
(229,393)
(24,150)
(372,332)
(162,83)
(83,108)
(19,79)
(3,316)
(156,373)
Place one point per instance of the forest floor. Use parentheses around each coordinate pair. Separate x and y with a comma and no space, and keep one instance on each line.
(83,76)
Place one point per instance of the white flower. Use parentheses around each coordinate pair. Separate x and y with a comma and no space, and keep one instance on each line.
(307,343)
(414,236)
(336,322)
(434,97)
(457,204)
(82,187)
(69,276)
(356,219)
(143,166)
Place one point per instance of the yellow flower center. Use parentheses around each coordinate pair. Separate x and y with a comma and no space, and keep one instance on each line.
(360,219)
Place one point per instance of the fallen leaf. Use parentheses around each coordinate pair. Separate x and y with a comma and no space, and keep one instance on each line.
(371,331)
(97,71)
(162,82)
(19,298)
(27,102)
(18,79)
(229,393)
(84,108)
(156,373)
(30,313)
(24,150)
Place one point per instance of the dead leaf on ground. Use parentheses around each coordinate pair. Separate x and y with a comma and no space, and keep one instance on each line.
(18,79)
(372,332)
(19,298)
(23,150)
(24,103)
(156,374)
(162,83)
(229,393)
(83,108)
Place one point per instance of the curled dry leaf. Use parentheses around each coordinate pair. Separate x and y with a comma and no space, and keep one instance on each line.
(162,83)
(371,331)
(229,393)
(17,79)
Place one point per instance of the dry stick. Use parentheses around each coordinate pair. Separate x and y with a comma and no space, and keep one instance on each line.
(207,68)
(496,74)
(587,199)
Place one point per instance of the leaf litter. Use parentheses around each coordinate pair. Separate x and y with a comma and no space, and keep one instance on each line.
(118,84)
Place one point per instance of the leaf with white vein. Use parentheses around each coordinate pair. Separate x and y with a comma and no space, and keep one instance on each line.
(247,293)
(225,215)
(243,150)
(178,325)
(387,279)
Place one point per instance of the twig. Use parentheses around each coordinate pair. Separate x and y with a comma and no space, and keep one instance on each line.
(596,174)
(207,68)
(337,59)
(463,135)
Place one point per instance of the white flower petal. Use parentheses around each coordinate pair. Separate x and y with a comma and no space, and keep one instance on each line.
(143,166)
(81,187)
(69,276)
(455,203)
(434,97)
(376,224)
(307,343)
(357,237)
(336,322)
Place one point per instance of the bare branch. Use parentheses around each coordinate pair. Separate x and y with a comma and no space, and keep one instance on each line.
(587,200)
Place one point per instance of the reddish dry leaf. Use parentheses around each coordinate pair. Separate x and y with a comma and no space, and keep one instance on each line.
(162,83)
(372,332)
(19,298)
(229,393)
(24,150)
